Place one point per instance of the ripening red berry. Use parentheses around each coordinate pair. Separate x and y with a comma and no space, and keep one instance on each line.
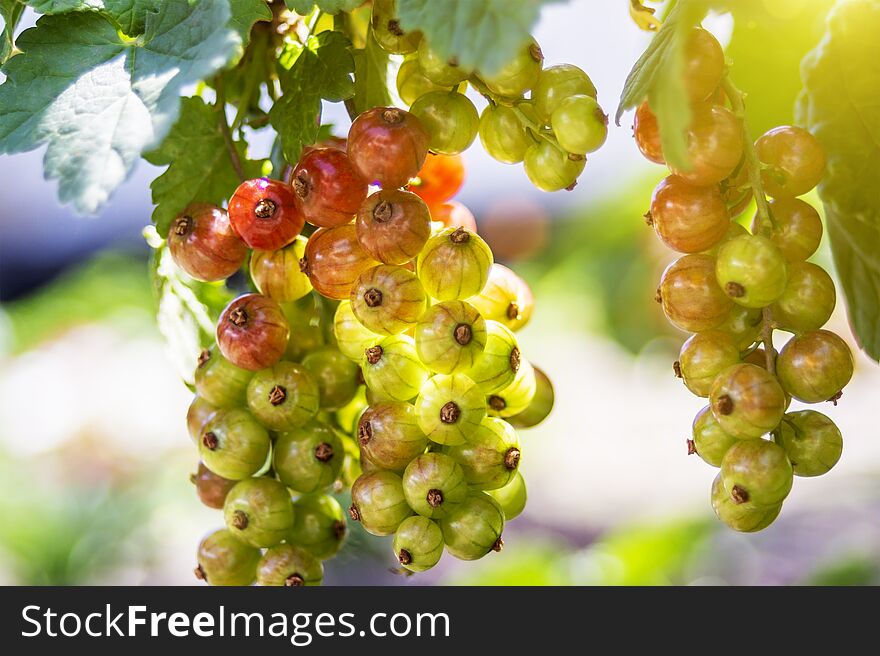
(252,332)
(439,179)
(646,132)
(334,259)
(265,214)
(454,215)
(387,146)
(203,244)
(329,189)
(393,225)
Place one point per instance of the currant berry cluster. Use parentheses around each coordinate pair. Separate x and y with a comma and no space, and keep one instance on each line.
(551,132)
(734,286)
(400,376)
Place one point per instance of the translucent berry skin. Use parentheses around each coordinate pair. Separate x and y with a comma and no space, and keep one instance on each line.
(579,124)
(203,244)
(808,300)
(743,324)
(540,407)
(392,369)
(198,415)
(454,215)
(797,229)
(710,440)
(747,401)
(412,83)
(703,64)
(715,145)
(306,332)
(503,135)
(336,376)
(646,132)
(289,566)
(690,295)
(334,259)
(756,472)
(815,366)
(496,368)
(490,457)
(265,214)
(733,231)
(378,502)
(439,179)
(259,511)
(283,396)
(388,299)
(224,560)
(393,225)
(387,146)
(387,30)
(519,74)
(329,189)
(318,525)
(219,382)
(434,485)
(276,274)
(308,459)
(474,527)
(744,518)
(252,332)
(389,435)
(555,84)
(686,218)
(512,497)
(450,119)
(550,169)
(352,338)
(703,356)
(234,444)
(450,408)
(795,161)
(751,270)
(450,337)
(517,396)
(418,544)
(454,265)
(506,298)
(445,73)
(211,488)
(812,442)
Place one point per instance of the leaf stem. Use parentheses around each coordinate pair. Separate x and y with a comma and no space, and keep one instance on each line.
(343,25)
(256,53)
(224,129)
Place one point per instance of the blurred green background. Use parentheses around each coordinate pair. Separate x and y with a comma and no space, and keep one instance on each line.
(94,457)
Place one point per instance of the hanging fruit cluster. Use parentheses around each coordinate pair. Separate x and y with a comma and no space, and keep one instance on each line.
(734,287)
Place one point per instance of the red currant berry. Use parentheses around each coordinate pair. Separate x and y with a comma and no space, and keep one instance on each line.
(387,146)
(329,189)
(646,132)
(454,215)
(703,64)
(203,244)
(688,219)
(815,366)
(796,229)
(393,225)
(439,179)
(690,295)
(334,259)
(211,488)
(265,214)
(715,145)
(252,332)
(794,159)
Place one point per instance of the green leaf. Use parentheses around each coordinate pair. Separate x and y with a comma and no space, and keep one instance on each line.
(839,105)
(11,11)
(305,7)
(371,76)
(130,15)
(97,100)
(481,35)
(320,69)
(199,167)
(247,12)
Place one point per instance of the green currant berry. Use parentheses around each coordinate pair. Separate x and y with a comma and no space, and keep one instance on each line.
(318,525)
(490,458)
(512,497)
(691,297)
(306,333)
(389,435)
(517,396)
(496,369)
(392,369)
(740,517)
(451,120)
(388,299)
(796,228)
(337,377)
(219,382)
(580,125)
(259,511)
(474,527)
(308,459)
(506,298)
(418,544)
(710,442)
(743,324)
(347,417)
(443,72)
(211,488)
(812,442)
(450,337)
(351,336)
(198,414)
(808,300)
(756,472)
(734,230)
(550,168)
(234,444)
(714,144)
(519,74)
(289,566)
(747,401)
(686,218)
(225,560)
(283,396)
(434,485)
(540,407)
(815,366)
(751,270)
(412,83)
(703,64)
(454,265)
(503,135)
(555,84)
(794,161)
(703,356)
(378,502)
(277,274)
(387,30)
(450,408)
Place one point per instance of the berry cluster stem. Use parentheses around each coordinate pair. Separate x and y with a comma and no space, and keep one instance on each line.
(224,129)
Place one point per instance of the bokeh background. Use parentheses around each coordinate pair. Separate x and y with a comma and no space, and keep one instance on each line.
(94,455)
